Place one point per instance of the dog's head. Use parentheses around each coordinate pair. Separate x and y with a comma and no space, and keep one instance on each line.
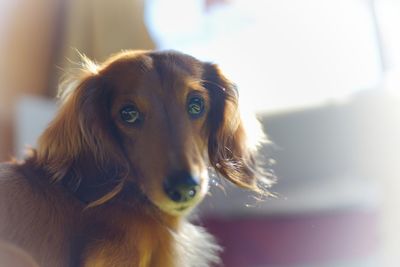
(155,120)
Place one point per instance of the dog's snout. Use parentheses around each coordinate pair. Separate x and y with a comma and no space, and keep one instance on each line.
(181,186)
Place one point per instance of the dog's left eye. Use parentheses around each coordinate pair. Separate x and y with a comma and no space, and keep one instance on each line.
(130,114)
(195,106)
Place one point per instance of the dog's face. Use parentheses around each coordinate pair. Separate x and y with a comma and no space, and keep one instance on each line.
(160,111)
(158,120)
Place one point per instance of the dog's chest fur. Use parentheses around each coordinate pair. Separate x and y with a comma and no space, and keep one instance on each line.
(157,245)
(141,239)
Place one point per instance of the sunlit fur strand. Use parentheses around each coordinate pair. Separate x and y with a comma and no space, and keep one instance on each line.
(230,153)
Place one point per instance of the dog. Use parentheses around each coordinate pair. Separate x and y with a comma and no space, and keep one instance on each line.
(126,158)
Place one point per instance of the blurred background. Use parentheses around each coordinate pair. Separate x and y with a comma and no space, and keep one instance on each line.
(322,75)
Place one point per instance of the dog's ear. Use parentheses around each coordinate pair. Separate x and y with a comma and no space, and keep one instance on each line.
(81,141)
(231,151)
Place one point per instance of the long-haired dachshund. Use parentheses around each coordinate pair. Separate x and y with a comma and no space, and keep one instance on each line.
(123,162)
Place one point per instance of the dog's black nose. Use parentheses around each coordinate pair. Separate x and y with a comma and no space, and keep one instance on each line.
(181,186)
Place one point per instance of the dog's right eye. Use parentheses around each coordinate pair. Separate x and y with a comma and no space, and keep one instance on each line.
(130,114)
(195,106)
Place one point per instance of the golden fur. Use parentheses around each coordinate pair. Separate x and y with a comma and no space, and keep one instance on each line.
(91,193)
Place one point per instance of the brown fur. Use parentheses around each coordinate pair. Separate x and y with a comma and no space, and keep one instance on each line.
(91,193)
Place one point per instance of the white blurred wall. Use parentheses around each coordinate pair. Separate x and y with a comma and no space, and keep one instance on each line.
(281,53)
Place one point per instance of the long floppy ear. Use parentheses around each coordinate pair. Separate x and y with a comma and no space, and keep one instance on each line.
(231,151)
(80,145)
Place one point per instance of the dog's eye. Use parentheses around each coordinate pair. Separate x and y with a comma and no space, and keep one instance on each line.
(130,114)
(195,106)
